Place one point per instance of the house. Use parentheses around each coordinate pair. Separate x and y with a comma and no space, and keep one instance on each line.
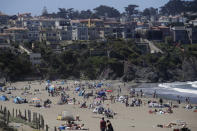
(193,22)
(95,33)
(113,32)
(180,34)
(65,34)
(154,34)
(49,35)
(4,41)
(128,30)
(79,33)
(62,23)
(75,23)
(33,34)
(47,24)
(163,20)
(17,34)
(192,33)
(159,32)
(91,22)
(33,26)
(31,23)
(4,19)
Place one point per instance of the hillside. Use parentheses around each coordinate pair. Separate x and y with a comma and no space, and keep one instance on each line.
(114,59)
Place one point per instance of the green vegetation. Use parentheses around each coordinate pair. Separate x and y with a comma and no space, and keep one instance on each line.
(93,60)
(14,66)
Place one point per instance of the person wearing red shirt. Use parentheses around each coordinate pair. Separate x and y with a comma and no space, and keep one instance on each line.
(102,124)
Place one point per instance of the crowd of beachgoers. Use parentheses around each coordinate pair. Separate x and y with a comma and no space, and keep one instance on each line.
(99,105)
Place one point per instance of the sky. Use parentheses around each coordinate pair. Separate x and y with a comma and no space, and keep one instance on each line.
(35,7)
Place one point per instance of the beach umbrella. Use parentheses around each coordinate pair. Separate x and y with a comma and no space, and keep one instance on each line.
(66,115)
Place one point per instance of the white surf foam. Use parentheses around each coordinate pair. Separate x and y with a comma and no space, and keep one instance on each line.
(171,86)
(164,85)
(193,84)
(185,90)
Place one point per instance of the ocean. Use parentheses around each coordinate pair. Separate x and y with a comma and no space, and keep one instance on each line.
(172,90)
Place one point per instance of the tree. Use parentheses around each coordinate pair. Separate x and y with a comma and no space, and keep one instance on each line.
(85,14)
(168,40)
(131,9)
(44,11)
(103,10)
(193,6)
(150,11)
(173,7)
(62,13)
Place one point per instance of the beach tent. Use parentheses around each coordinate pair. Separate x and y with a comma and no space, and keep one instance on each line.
(77,89)
(51,87)
(3,98)
(121,98)
(101,93)
(18,100)
(99,85)
(66,115)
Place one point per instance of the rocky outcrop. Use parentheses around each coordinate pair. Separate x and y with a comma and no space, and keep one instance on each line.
(188,72)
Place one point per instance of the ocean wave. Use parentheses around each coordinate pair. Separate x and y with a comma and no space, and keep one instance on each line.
(193,84)
(185,90)
(173,86)
(164,85)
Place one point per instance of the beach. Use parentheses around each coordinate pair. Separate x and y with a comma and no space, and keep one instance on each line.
(135,118)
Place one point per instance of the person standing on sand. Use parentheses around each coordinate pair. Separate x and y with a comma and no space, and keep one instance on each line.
(109,126)
(102,124)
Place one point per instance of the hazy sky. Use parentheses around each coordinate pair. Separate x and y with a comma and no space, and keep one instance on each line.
(35,6)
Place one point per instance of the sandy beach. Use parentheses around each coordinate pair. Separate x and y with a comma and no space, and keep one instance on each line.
(135,118)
